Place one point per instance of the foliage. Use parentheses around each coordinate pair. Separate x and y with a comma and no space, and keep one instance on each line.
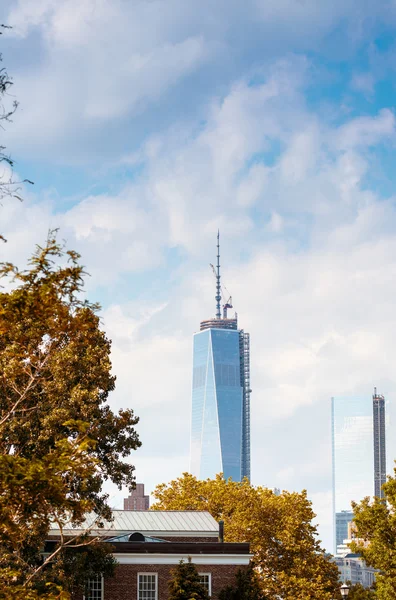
(77,565)
(8,185)
(284,542)
(59,440)
(247,587)
(375,530)
(358,592)
(185,583)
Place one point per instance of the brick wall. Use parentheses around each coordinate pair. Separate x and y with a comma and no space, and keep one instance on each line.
(123,586)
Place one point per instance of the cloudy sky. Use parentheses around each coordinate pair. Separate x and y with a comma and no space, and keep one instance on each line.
(148,124)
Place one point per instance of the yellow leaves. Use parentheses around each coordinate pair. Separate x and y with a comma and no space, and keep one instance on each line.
(17,592)
(58,437)
(278,528)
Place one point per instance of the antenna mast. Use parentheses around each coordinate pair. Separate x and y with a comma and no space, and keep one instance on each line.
(218,287)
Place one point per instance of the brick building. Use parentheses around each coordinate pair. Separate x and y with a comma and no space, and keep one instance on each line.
(137,500)
(149,544)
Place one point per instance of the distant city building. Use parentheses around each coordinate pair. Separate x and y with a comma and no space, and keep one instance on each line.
(220,428)
(379,443)
(342,521)
(359,455)
(353,569)
(352,453)
(137,500)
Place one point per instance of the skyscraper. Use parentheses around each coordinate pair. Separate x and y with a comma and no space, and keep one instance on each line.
(379,443)
(342,520)
(358,427)
(220,428)
(137,499)
(352,448)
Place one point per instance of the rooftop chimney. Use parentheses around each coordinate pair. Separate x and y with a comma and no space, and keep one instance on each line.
(221,532)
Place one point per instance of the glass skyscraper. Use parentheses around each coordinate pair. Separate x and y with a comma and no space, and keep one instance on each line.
(358,447)
(220,428)
(342,520)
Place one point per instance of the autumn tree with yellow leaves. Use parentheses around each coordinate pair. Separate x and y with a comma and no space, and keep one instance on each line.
(287,553)
(59,439)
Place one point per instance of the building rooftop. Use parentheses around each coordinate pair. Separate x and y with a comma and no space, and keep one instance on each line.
(219,324)
(170,523)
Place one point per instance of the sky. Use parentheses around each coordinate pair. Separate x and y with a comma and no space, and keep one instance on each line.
(146,125)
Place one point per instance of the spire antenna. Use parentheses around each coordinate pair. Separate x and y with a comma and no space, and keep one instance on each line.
(218,286)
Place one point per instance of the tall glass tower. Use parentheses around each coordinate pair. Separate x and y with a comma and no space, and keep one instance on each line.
(359,453)
(220,428)
(379,443)
(352,445)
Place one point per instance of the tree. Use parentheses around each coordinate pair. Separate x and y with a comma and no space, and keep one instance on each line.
(247,587)
(358,592)
(185,583)
(287,553)
(375,531)
(59,440)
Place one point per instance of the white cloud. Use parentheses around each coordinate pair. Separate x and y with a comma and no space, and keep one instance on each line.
(366,131)
(96,61)
(308,250)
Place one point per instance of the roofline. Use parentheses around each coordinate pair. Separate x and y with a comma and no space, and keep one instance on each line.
(174,559)
(125,558)
(205,512)
(188,533)
(215,548)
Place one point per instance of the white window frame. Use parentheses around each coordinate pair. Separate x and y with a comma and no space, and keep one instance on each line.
(156,582)
(101,587)
(209,575)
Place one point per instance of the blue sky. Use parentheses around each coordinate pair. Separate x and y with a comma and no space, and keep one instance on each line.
(146,125)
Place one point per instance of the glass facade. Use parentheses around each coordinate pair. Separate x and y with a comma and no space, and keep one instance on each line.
(342,520)
(352,448)
(217,405)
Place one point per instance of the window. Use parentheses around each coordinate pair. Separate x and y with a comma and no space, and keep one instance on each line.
(206,580)
(147,586)
(95,589)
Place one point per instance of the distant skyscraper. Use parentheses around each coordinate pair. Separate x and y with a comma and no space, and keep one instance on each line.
(137,500)
(220,429)
(352,447)
(379,443)
(358,426)
(342,520)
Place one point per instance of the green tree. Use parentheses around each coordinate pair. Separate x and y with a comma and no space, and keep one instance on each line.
(247,587)
(59,440)
(358,592)
(185,583)
(287,552)
(375,531)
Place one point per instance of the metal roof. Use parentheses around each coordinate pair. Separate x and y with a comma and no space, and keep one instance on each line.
(172,523)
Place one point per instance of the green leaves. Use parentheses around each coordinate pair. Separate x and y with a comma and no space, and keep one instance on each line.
(375,532)
(185,583)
